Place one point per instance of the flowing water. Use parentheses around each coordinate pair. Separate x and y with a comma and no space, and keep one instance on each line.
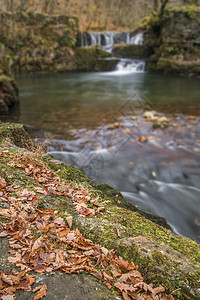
(161,176)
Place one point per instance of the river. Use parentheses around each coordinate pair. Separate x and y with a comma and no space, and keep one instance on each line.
(71,113)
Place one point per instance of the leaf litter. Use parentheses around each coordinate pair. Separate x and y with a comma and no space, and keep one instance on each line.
(42,242)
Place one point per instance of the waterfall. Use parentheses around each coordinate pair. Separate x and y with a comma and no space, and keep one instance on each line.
(135,40)
(108,39)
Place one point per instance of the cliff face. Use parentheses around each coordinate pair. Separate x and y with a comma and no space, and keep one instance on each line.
(175,42)
(36,42)
(8,89)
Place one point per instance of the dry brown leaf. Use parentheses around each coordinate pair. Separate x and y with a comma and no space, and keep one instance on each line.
(126,265)
(115,272)
(84,210)
(37,244)
(127,130)
(142,139)
(125,296)
(7,279)
(7,297)
(64,232)
(40,191)
(5,212)
(3,234)
(107,277)
(159,289)
(41,293)
(69,221)
(109,286)
(59,221)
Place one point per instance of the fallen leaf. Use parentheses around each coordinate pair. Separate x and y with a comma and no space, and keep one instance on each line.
(118,232)
(126,296)
(142,139)
(109,286)
(59,221)
(40,191)
(7,297)
(127,130)
(69,221)
(159,289)
(41,293)
(37,244)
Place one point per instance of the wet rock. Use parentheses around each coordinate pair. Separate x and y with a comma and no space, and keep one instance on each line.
(114,125)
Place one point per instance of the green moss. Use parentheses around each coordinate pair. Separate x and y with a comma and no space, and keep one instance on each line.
(131,51)
(87,59)
(16,133)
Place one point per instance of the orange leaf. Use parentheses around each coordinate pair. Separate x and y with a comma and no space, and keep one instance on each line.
(41,293)
(64,232)
(109,286)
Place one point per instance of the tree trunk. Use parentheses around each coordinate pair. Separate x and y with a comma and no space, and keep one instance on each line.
(162,9)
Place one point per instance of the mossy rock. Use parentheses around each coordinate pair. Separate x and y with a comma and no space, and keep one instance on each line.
(106,65)
(131,51)
(87,59)
(9,96)
(16,133)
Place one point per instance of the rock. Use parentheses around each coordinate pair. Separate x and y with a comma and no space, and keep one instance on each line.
(150,115)
(94,59)
(130,51)
(162,120)
(174,41)
(134,118)
(114,125)
(9,96)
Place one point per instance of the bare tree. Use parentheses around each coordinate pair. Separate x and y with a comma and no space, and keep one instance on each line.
(49,6)
(162,9)
(9,4)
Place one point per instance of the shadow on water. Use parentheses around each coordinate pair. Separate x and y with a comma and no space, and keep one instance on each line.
(161,176)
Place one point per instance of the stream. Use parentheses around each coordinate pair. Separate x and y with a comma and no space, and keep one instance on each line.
(94,121)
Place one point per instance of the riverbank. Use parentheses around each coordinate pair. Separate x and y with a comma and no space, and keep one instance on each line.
(101,214)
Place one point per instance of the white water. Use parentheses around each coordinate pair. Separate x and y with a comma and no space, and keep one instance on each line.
(128,66)
(107,40)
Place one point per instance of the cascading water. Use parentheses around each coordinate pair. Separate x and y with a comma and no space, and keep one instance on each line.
(107,40)
(127,66)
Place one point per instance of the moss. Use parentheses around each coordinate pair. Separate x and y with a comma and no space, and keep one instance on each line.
(67,172)
(131,51)
(16,133)
(87,59)
(115,197)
